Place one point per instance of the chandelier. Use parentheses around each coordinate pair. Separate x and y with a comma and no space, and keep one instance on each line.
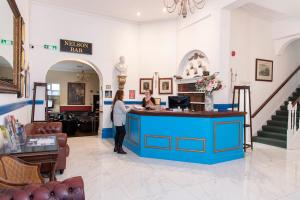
(83,76)
(184,6)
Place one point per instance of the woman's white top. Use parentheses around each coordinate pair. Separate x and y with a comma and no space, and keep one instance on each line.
(120,112)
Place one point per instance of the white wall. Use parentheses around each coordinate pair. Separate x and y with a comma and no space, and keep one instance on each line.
(22,114)
(147,47)
(110,39)
(157,51)
(6,31)
(252,38)
(208,31)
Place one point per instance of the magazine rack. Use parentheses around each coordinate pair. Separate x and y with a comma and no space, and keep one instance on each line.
(36,85)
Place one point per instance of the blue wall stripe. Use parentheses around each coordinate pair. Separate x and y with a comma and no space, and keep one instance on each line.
(15,106)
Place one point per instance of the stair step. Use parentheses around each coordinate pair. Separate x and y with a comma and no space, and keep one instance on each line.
(275,129)
(296,94)
(281,118)
(282,112)
(292,99)
(284,107)
(270,141)
(286,103)
(274,135)
(277,123)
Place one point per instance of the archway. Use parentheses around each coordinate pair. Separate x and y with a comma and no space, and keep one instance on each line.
(197,59)
(282,44)
(89,79)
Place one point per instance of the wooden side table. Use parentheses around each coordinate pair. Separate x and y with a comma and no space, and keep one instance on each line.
(37,154)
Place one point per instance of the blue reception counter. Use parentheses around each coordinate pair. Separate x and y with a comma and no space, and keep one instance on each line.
(198,137)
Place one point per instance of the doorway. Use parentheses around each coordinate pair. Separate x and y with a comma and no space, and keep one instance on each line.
(75,97)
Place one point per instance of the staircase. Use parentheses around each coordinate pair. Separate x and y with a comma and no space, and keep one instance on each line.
(275,132)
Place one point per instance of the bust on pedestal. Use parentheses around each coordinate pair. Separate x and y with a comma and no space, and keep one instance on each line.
(121,69)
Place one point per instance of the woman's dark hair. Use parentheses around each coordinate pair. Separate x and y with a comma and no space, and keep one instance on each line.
(150,91)
(119,96)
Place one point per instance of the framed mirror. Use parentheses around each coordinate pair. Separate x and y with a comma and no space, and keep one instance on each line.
(11,45)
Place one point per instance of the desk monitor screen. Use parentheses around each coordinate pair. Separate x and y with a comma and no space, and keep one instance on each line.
(50,104)
(181,101)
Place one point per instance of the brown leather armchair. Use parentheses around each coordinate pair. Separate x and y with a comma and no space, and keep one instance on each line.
(72,188)
(40,128)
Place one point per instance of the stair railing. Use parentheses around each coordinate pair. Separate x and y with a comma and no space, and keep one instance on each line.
(293,133)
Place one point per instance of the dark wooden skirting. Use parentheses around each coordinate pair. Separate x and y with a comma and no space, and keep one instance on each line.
(274,93)
(188,114)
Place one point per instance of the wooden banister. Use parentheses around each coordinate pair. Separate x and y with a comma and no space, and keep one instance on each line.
(274,93)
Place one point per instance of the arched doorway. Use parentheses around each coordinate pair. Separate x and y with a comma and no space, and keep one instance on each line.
(75,94)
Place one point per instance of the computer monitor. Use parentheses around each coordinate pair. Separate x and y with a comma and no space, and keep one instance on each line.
(50,103)
(179,101)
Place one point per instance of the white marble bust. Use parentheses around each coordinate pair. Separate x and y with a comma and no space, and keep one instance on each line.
(121,67)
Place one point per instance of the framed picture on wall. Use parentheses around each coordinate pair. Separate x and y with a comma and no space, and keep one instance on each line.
(264,70)
(27,83)
(165,85)
(108,94)
(146,84)
(131,94)
(76,93)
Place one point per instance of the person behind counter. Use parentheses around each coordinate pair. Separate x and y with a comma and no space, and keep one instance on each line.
(148,100)
(119,120)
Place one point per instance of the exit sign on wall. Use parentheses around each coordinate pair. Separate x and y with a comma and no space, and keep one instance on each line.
(6,42)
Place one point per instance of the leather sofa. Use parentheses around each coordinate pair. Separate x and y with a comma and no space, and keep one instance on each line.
(72,188)
(40,128)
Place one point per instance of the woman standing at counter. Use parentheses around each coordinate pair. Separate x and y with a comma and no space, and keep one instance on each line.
(119,120)
(148,100)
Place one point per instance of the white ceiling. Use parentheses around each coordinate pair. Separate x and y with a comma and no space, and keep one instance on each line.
(262,12)
(290,8)
(150,10)
(72,66)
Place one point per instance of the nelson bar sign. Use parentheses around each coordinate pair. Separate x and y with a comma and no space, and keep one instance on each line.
(76,47)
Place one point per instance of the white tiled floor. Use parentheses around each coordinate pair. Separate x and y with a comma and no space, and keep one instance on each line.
(266,173)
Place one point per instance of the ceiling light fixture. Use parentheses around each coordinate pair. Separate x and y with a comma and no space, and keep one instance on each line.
(138,14)
(83,76)
(184,6)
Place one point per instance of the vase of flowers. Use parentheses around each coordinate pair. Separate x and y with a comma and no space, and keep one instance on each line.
(207,85)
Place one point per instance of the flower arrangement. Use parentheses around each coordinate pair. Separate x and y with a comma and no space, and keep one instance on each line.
(209,84)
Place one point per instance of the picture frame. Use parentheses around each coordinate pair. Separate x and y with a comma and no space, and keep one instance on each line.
(76,93)
(131,94)
(146,84)
(27,83)
(264,70)
(165,85)
(108,94)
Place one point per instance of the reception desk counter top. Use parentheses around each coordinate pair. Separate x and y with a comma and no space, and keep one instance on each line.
(198,137)
(201,114)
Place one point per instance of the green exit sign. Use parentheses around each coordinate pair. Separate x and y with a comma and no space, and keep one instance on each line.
(6,42)
(50,47)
